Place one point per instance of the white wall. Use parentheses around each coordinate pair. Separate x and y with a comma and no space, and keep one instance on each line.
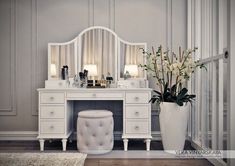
(26,26)
(231,44)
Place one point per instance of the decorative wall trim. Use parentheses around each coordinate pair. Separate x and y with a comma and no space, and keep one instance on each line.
(13,26)
(34,61)
(112,14)
(18,135)
(32,135)
(118,135)
(169,24)
(90,13)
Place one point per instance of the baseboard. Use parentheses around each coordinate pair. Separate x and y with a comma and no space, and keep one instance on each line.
(156,135)
(18,135)
(32,135)
(118,135)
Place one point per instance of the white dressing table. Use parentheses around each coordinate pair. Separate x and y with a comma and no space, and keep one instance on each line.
(102,47)
(56,112)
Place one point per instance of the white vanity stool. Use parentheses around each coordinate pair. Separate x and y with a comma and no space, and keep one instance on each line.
(95,131)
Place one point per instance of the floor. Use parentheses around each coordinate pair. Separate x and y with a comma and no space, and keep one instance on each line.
(136,155)
(146,162)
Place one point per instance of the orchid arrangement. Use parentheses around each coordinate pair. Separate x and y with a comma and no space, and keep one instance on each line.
(172,73)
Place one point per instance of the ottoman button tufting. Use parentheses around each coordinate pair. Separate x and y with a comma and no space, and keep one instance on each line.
(92,126)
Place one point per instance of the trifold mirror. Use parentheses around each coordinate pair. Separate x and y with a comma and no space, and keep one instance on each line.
(102,51)
(98,47)
(59,55)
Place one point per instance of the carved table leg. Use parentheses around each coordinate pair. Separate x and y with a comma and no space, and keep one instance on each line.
(64,142)
(41,141)
(148,144)
(125,141)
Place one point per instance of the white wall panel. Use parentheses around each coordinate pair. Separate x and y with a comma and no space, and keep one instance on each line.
(38,22)
(179,17)
(101,13)
(7,55)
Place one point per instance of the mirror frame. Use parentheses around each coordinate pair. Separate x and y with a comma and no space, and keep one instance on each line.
(77,52)
(119,56)
(61,44)
(79,67)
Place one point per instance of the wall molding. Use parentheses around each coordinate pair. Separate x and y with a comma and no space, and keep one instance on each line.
(18,135)
(112,15)
(34,59)
(13,27)
(90,13)
(32,135)
(169,24)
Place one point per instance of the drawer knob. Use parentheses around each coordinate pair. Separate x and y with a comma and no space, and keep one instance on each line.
(137,127)
(52,112)
(136,98)
(60,83)
(94,95)
(136,113)
(51,127)
(51,98)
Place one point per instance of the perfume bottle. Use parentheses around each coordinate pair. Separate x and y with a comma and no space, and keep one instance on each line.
(109,80)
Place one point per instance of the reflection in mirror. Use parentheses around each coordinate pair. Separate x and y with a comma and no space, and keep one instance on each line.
(130,57)
(98,48)
(61,55)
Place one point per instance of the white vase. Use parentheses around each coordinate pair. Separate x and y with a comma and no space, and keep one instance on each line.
(173,125)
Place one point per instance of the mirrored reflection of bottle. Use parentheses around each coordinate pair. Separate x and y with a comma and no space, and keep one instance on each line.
(62,73)
(65,73)
(102,81)
(109,80)
(76,81)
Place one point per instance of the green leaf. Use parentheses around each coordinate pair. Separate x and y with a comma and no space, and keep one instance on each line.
(157,92)
(166,87)
(173,89)
(182,93)
(180,103)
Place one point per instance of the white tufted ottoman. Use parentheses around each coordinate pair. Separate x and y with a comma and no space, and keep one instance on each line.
(95,131)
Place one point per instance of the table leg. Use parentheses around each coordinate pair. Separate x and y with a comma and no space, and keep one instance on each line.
(148,144)
(64,143)
(125,141)
(41,141)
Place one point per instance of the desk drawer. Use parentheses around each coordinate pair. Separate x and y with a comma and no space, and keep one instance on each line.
(52,112)
(137,112)
(54,84)
(51,98)
(94,95)
(137,127)
(137,97)
(52,127)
